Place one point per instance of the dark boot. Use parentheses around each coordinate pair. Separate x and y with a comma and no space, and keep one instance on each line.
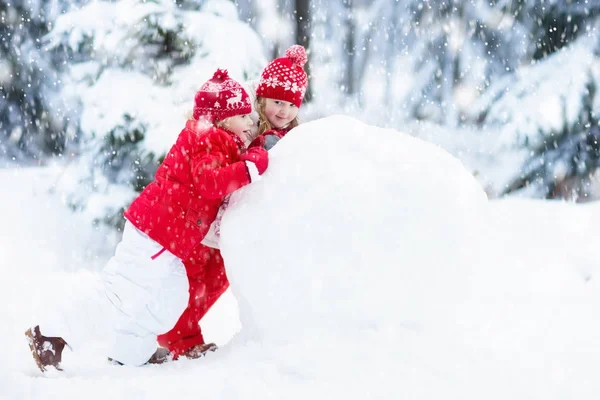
(46,350)
(199,350)
(160,356)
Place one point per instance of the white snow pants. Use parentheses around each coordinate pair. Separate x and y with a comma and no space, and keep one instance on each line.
(149,289)
(144,290)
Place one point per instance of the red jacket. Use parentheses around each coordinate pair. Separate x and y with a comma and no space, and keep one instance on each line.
(177,208)
(260,140)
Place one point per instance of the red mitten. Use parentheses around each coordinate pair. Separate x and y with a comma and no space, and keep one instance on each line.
(258,156)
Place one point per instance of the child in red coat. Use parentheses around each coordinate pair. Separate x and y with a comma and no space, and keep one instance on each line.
(279,95)
(162,279)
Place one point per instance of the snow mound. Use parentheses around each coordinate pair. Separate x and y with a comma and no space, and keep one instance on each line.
(376,219)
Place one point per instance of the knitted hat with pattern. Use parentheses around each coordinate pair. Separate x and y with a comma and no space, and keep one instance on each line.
(221,97)
(284,78)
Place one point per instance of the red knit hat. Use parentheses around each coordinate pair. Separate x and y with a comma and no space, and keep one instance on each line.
(284,78)
(221,97)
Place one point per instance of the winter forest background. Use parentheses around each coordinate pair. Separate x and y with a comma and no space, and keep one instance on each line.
(100,89)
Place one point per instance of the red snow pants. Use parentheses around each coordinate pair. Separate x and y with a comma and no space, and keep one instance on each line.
(208,281)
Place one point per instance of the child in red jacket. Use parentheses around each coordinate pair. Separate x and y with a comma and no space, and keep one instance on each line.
(279,95)
(162,279)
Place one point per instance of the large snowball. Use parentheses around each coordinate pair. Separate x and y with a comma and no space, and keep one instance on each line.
(351,226)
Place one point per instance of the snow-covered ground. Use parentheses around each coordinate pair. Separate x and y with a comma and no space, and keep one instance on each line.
(366,264)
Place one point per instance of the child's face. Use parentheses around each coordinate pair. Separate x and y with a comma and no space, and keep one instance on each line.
(280,113)
(240,125)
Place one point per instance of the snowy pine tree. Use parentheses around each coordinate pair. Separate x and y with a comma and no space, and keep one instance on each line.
(136,66)
(554,117)
(33,118)
(553,24)
(545,111)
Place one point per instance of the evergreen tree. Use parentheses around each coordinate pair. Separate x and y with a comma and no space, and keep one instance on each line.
(547,114)
(33,118)
(551,25)
(135,66)
(553,117)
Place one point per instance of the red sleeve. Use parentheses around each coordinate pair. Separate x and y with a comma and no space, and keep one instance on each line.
(214,177)
(259,141)
(280,133)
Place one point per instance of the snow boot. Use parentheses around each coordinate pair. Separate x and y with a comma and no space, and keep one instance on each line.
(160,356)
(199,350)
(46,350)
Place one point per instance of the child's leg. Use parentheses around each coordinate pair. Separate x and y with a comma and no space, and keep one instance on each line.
(207,280)
(136,298)
(216,281)
(148,289)
(186,333)
(78,312)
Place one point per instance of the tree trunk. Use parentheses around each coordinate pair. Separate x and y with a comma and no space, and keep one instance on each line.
(350,47)
(303,25)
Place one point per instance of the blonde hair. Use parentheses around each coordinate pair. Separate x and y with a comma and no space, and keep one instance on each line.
(263,123)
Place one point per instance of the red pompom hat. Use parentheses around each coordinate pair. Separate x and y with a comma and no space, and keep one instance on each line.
(221,97)
(284,78)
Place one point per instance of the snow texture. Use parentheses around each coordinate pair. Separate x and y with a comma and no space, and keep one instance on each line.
(366,264)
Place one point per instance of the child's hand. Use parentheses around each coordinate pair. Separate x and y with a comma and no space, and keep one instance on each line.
(258,156)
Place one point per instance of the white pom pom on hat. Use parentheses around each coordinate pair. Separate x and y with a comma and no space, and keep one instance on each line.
(297,54)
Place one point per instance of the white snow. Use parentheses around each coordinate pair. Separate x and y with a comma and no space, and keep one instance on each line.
(366,263)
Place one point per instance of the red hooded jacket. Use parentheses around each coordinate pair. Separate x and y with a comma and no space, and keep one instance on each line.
(177,208)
